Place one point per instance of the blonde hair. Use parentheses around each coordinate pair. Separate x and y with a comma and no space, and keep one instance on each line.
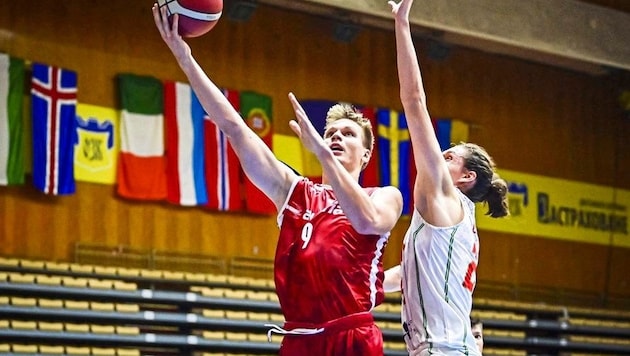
(346,111)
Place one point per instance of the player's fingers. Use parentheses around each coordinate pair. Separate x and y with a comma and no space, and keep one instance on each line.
(295,127)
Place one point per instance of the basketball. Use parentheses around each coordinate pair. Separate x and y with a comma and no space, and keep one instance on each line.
(196,17)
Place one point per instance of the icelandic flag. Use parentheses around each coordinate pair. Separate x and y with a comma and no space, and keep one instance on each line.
(394,153)
(184,116)
(54,102)
(223,169)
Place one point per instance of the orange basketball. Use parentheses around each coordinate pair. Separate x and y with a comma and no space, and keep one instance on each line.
(196,17)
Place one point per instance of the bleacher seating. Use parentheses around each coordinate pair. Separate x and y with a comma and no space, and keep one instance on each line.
(70,308)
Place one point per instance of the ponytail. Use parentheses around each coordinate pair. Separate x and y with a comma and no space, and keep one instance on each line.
(489,188)
(496,198)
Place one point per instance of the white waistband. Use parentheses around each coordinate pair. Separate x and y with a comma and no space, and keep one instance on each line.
(297,331)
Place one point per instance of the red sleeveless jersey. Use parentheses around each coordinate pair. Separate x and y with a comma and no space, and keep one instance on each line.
(324,269)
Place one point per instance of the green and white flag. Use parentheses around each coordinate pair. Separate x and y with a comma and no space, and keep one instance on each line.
(142,161)
(11,125)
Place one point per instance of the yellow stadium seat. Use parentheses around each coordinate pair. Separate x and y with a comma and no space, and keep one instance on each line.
(235,294)
(20,278)
(148,273)
(77,328)
(50,303)
(5,348)
(48,280)
(57,266)
(79,268)
(102,329)
(214,335)
(195,277)
(9,262)
(23,302)
(239,315)
(77,304)
(46,326)
(4,324)
(234,336)
(127,352)
(4,300)
(24,349)
(51,350)
(127,330)
(394,308)
(173,275)
(127,272)
(102,306)
(77,350)
(127,308)
(75,282)
(102,351)
(395,346)
(254,295)
(120,285)
(258,282)
(105,270)
(258,316)
(214,314)
(213,292)
(257,337)
(32,264)
(238,280)
(23,325)
(100,284)
(216,278)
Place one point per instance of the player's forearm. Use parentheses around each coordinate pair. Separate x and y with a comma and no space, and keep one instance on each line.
(354,201)
(409,75)
(392,280)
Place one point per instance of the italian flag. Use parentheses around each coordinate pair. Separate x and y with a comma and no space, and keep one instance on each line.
(11,124)
(142,164)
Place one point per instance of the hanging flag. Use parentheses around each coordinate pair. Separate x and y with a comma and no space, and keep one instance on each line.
(223,170)
(256,111)
(450,132)
(96,150)
(142,165)
(288,149)
(54,103)
(11,124)
(316,111)
(394,153)
(370,176)
(185,171)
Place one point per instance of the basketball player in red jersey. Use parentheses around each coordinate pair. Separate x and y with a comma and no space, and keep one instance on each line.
(328,264)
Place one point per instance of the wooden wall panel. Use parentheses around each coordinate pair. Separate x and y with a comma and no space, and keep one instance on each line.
(531,118)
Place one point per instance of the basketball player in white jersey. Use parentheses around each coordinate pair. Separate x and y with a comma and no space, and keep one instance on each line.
(441,247)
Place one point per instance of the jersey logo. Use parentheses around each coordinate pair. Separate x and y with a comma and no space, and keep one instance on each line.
(308,215)
(334,209)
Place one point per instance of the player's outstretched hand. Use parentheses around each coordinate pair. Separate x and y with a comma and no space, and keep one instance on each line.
(304,129)
(169,32)
(401,9)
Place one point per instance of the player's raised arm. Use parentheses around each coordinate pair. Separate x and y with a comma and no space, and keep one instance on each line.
(342,154)
(258,161)
(435,196)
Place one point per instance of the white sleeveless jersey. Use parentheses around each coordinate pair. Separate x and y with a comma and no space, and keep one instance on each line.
(439,274)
